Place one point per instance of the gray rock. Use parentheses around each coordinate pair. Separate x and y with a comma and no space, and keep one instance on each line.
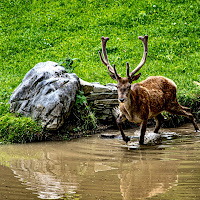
(112,87)
(46,93)
(107,112)
(86,87)
(98,88)
(99,96)
(107,102)
(102,98)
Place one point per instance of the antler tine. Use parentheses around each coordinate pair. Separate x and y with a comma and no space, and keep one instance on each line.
(116,74)
(127,70)
(106,61)
(142,62)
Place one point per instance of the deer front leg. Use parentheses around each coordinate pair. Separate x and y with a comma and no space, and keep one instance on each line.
(121,118)
(142,132)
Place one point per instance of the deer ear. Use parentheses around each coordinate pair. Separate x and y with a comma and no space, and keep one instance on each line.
(134,78)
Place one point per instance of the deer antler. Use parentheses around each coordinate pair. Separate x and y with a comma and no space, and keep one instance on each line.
(112,70)
(142,62)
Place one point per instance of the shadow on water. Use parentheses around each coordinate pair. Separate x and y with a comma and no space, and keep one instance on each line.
(167,167)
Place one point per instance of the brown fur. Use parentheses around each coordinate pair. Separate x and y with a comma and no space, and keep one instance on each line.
(146,100)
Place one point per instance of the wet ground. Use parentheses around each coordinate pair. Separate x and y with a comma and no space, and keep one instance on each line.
(93,168)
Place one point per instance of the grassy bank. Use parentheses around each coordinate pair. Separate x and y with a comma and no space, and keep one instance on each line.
(36,31)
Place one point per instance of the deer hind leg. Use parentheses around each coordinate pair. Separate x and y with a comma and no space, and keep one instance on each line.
(177,109)
(159,120)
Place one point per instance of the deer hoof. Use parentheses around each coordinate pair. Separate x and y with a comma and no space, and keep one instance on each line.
(127,139)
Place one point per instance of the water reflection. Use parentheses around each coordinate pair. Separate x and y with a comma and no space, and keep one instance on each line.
(93,168)
(149,177)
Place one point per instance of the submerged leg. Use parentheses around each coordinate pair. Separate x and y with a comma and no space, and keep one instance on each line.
(142,132)
(159,120)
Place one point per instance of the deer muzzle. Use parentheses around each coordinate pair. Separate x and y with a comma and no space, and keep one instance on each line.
(122,100)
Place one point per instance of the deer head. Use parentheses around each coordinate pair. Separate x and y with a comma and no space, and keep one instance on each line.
(124,84)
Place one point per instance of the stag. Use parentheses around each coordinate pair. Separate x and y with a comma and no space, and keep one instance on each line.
(147,99)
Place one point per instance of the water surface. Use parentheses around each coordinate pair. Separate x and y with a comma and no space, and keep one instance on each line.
(104,169)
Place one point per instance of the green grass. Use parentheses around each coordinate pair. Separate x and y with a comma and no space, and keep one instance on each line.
(37,31)
(19,129)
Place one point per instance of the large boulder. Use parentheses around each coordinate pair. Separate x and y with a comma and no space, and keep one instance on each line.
(46,93)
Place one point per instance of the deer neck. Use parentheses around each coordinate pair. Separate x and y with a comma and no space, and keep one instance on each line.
(128,108)
(128,104)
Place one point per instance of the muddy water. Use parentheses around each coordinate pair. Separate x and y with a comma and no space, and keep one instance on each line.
(95,168)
